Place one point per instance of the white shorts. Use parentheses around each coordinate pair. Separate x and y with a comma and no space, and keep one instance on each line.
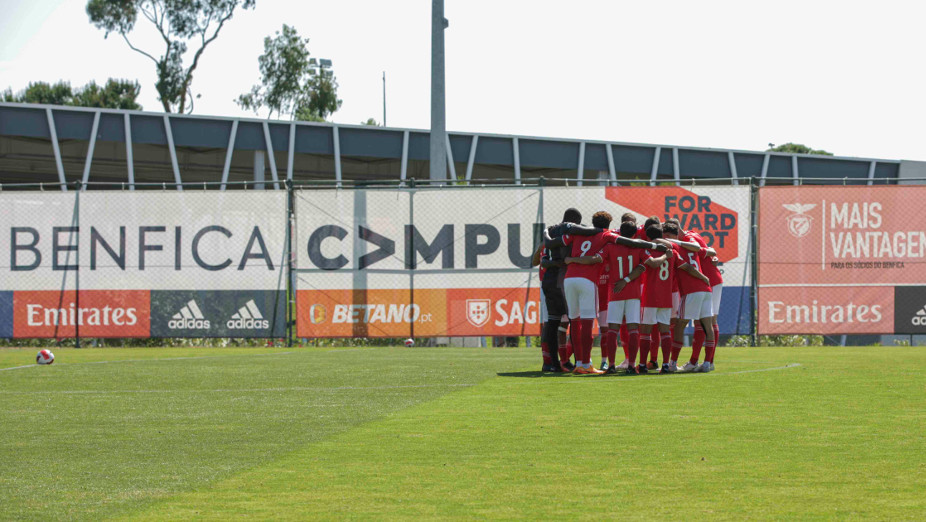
(696,306)
(676,302)
(656,315)
(625,308)
(581,298)
(602,321)
(716,291)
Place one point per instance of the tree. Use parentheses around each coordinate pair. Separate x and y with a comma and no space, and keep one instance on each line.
(370,121)
(291,82)
(179,23)
(115,94)
(796,148)
(284,67)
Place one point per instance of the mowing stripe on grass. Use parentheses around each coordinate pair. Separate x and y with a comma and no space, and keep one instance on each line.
(238,390)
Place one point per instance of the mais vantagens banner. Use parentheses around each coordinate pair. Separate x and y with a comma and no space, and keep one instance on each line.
(842,260)
(456,262)
(143,264)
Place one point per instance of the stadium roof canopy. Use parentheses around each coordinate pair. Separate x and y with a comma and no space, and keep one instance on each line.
(50,144)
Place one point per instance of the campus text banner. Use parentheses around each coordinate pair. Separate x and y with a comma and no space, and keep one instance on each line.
(842,260)
(140,264)
(456,262)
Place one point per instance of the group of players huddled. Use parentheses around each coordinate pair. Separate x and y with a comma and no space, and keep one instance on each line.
(631,279)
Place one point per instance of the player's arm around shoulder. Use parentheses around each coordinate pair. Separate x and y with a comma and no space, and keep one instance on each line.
(584,260)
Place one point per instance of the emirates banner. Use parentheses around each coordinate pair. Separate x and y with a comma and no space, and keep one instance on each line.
(842,260)
(456,262)
(143,264)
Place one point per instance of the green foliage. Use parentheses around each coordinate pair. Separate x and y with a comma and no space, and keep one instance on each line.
(797,148)
(371,122)
(284,67)
(291,82)
(115,94)
(181,24)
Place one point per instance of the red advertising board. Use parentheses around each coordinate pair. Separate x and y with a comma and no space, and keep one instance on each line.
(832,258)
(431,312)
(94,313)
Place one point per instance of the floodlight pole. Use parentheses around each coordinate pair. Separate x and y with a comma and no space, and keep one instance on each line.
(438,156)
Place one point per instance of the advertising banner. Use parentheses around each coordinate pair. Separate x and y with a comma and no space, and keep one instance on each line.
(391,263)
(842,260)
(139,254)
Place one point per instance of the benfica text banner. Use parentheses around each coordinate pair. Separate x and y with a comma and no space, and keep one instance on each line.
(842,260)
(456,262)
(131,264)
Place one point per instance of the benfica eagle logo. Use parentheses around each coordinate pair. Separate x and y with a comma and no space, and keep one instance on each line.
(799,223)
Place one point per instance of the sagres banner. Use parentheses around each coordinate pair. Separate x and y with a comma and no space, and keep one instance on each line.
(721,215)
(397,263)
(139,264)
(842,260)
(454,262)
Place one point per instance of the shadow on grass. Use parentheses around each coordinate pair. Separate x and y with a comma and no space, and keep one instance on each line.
(530,375)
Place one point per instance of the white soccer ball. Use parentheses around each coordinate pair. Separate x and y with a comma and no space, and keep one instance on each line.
(409,343)
(44,357)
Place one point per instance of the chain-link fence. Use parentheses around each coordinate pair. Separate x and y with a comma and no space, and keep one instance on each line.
(403,259)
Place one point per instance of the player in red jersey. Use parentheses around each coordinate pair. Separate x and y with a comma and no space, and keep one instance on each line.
(580,288)
(626,265)
(581,291)
(658,299)
(647,347)
(695,291)
(604,294)
(709,268)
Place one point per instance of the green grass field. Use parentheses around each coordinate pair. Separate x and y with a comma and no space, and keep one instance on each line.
(448,433)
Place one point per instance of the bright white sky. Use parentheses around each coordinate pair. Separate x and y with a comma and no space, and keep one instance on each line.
(845,76)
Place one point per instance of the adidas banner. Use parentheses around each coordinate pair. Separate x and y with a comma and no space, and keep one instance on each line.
(842,260)
(123,264)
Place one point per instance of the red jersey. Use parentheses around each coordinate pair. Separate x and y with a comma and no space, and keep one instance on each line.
(687,283)
(641,234)
(586,246)
(659,283)
(622,260)
(708,268)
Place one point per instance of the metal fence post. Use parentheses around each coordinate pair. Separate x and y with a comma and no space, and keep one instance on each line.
(754,256)
(290,286)
(77,272)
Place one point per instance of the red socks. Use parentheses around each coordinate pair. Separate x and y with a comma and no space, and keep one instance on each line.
(586,336)
(710,351)
(666,347)
(633,340)
(698,341)
(710,346)
(612,345)
(676,350)
(645,341)
(546,354)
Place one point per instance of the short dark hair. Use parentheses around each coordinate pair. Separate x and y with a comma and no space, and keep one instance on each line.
(601,219)
(628,229)
(572,215)
(628,216)
(654,232)
(670,228)
(650,221)
(674,220)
